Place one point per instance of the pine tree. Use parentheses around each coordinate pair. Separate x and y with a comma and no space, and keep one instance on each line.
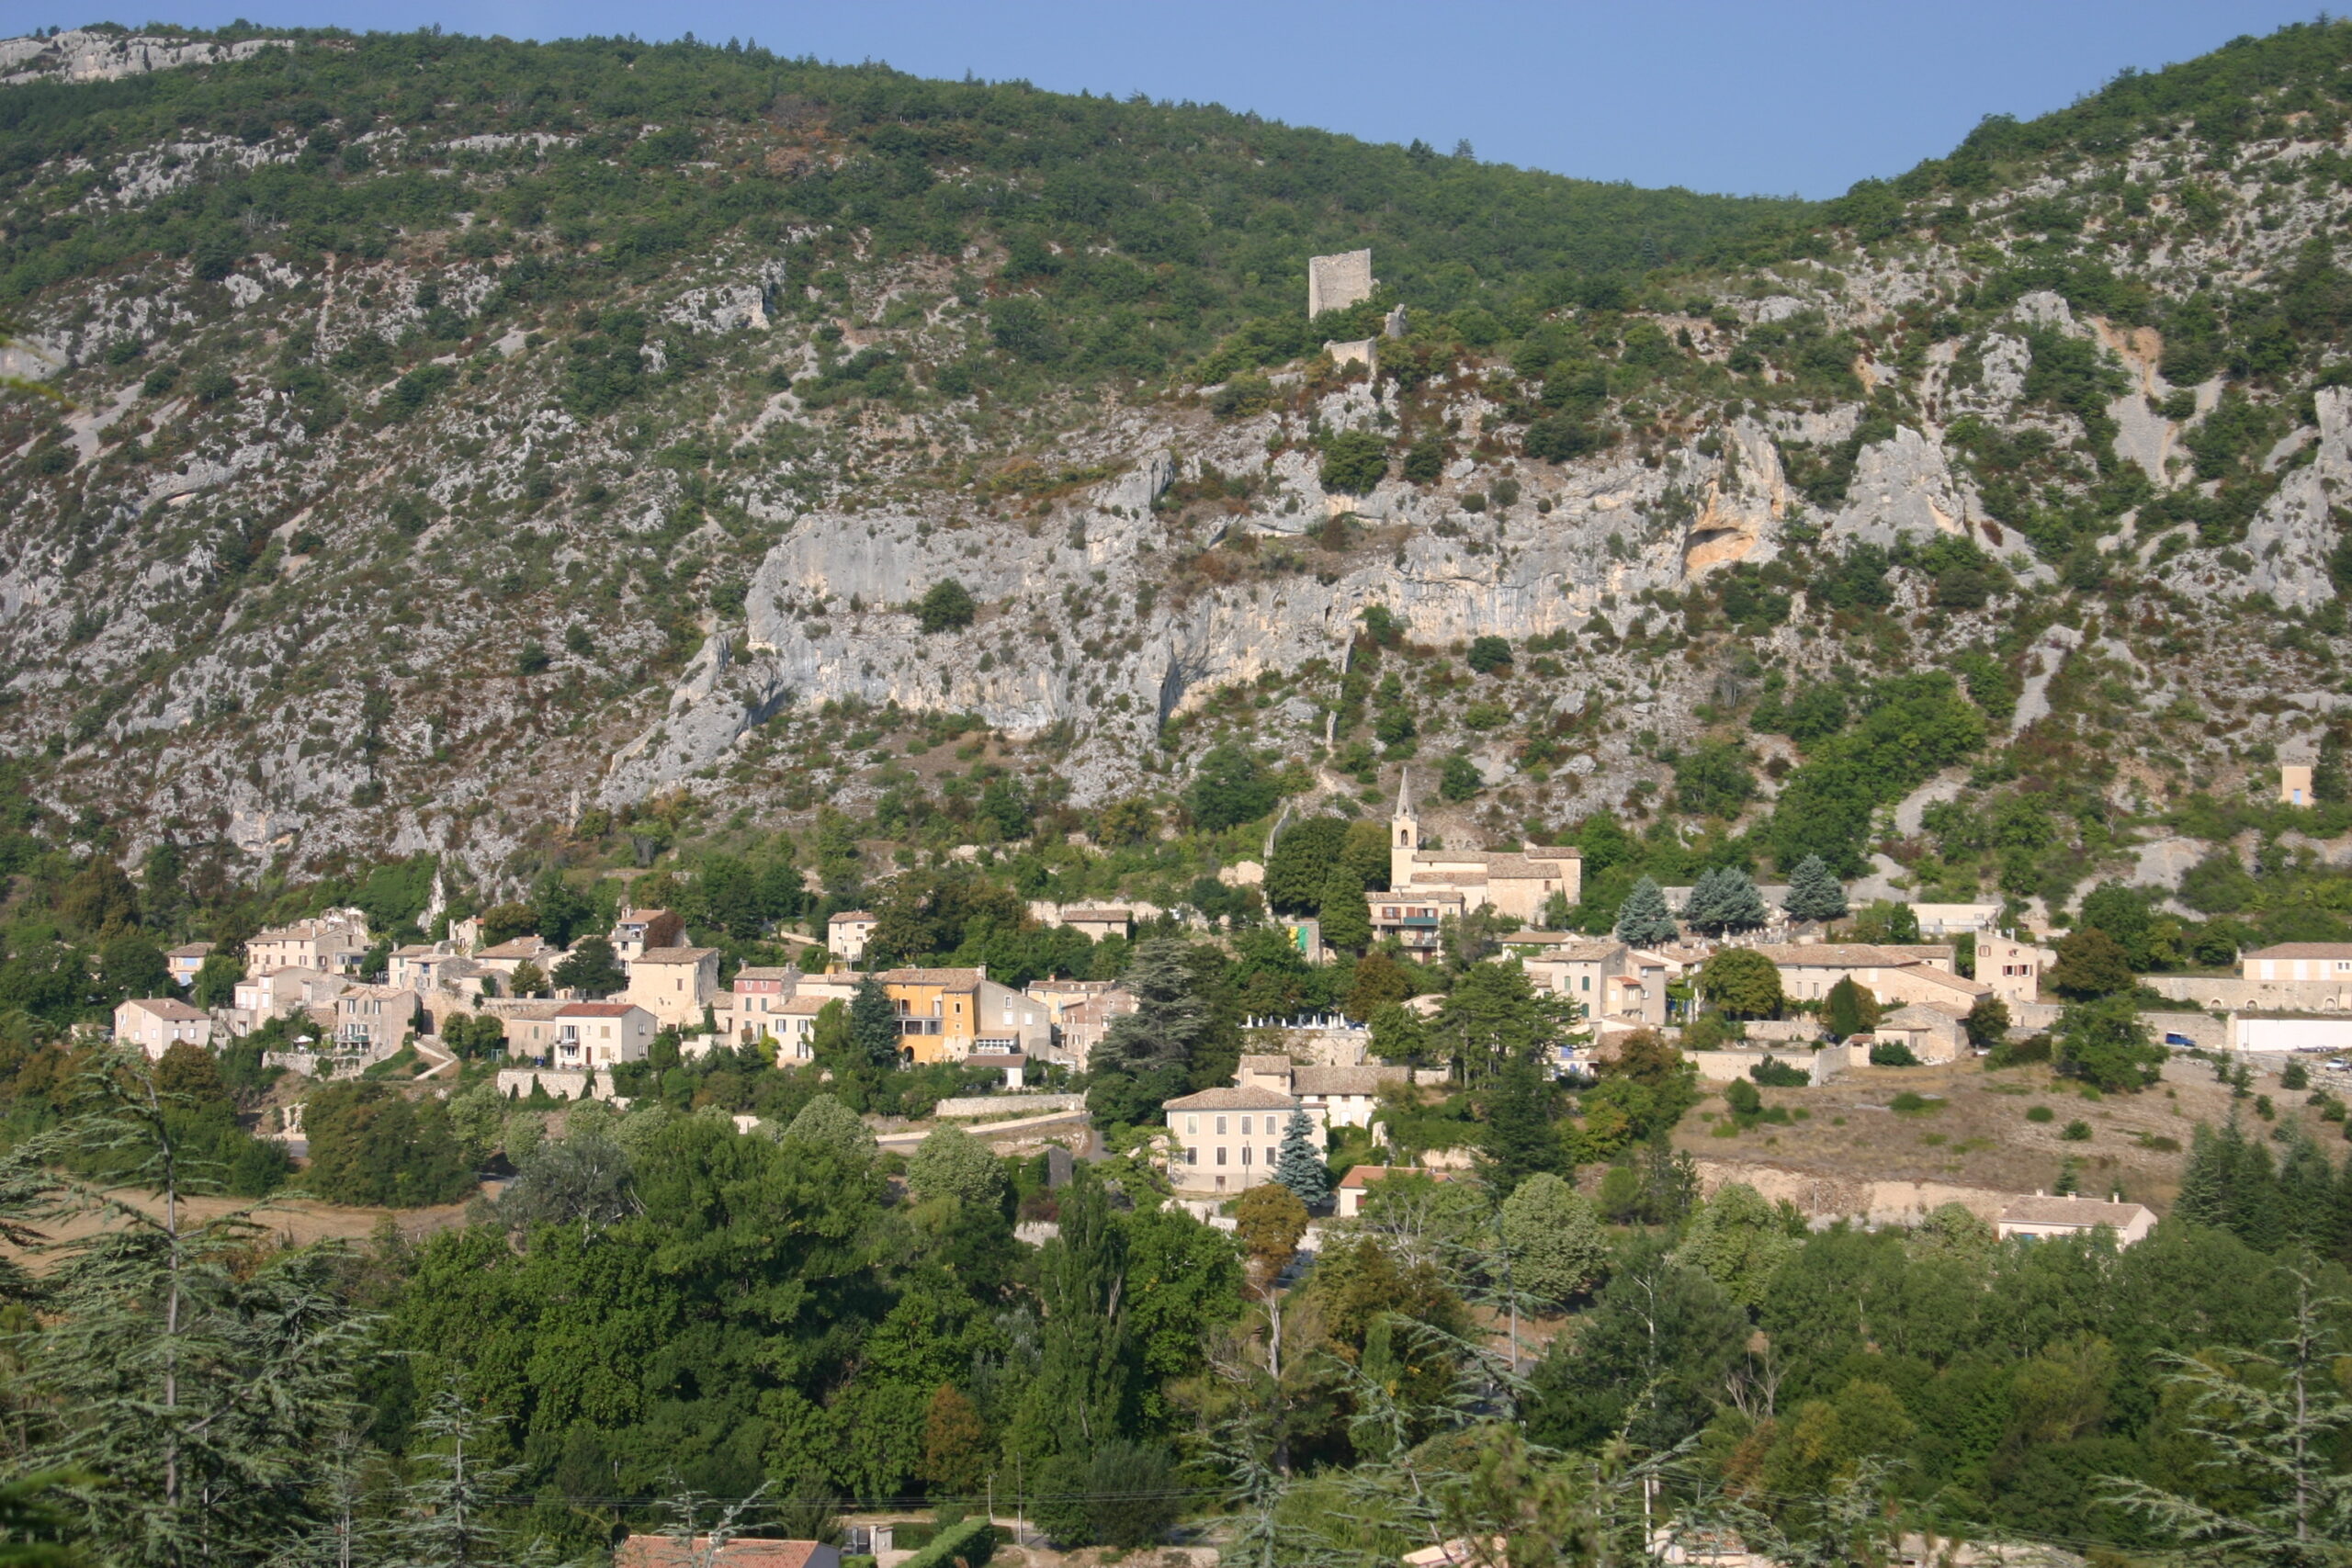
(198,1383)
(2277,1420)
(1520,1141)
(1298,1166)
(1725,899)
(2205,1180)
(448,1513)
(1814,892)
(1643,920)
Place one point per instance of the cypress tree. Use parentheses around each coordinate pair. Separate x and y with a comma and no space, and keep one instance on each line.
(1520,1139)
(1850,1008)
(873,1024)
(1815,893)
(1643,920)
(1298,1166)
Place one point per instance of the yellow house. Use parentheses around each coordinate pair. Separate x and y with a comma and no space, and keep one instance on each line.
(946,1014)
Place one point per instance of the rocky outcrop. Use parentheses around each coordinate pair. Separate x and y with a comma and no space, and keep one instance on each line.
(84,54)
(2288,545)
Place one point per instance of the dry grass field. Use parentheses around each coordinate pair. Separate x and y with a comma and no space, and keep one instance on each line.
(1977,1132)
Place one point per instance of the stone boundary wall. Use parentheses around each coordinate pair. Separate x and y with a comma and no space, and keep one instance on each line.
(1007,1105)
(2229,993)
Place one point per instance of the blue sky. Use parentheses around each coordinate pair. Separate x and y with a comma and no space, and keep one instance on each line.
(1781,96)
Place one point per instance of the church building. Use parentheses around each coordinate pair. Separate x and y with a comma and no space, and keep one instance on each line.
(1517,884)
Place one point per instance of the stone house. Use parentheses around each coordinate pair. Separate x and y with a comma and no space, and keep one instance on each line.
(1606,978)
(370,1018)
(1077,1013)
(2327,962)
(638,930)
(336,941)
(1357,1184)
(183,963)
(1893,975)
(1930,1034)
(675,983)
(1229,1139)
(530,1026)
(506,957)
(1099,922)
(1335,1095)
(281,993)
(847,934)
(155,1024)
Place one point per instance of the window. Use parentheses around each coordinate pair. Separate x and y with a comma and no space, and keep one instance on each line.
(1220,1154)
(1245,1153)
(1191,1156)
(1192,1123)
(1245,1125)
(1220,1126)
(1271,1158)
(1588,982)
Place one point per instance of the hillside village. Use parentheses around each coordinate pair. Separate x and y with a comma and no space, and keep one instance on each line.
(765,814)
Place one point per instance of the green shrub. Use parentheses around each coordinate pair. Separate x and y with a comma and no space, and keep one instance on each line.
(972,1543)
(1774,1074)
(2039,1114)
(1893,1054)
(2077,1133)
(1910,1104)
(1488,654)
(948,606)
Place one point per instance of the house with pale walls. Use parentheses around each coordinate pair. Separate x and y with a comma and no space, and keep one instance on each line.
(793,1027)
(183,963)
(1893,975)
(2295,784)
(2043,1218)
(155,1024)
(336,941)
(637,930)
(1336,1096)
(847,934)
(1413,918)
(1610,981)
(675,983)
(1514,883)
(1229,1140)
(759,991)
(2013,968)
(601,1034)
(281,993)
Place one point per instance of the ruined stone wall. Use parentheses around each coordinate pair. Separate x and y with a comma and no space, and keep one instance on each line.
(1334,283)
